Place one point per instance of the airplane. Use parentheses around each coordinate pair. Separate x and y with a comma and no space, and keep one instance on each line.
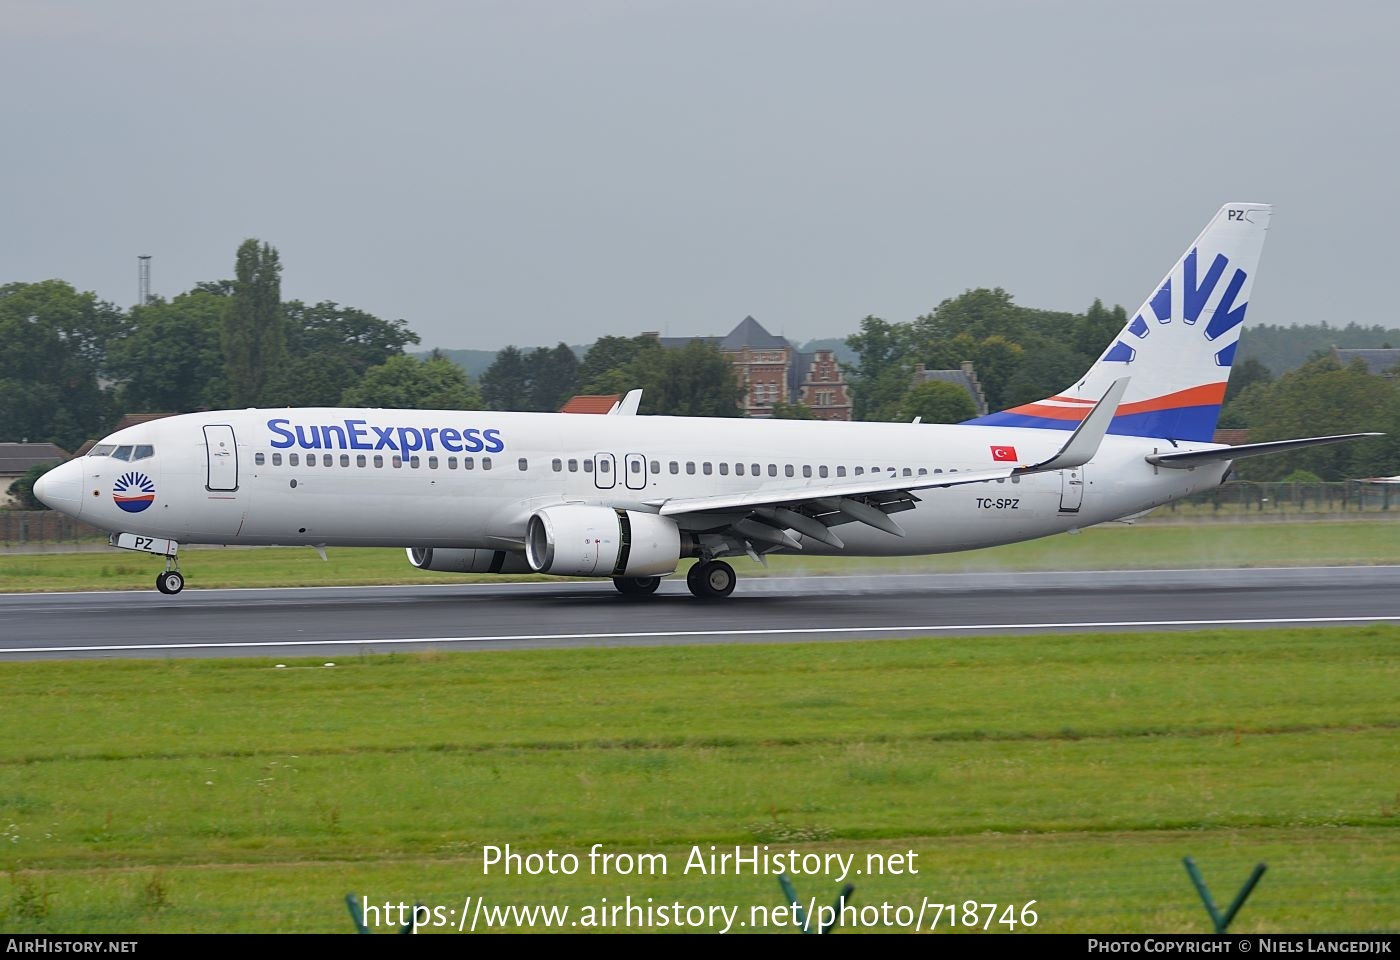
(629,497)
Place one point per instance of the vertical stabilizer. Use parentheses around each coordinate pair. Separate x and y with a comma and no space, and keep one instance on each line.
(1179,346)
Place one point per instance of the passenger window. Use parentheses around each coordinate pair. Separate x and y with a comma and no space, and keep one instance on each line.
(675,467)
(452,463)
(821,471)
(468,463)
(690,467)
(788,470)
(396,462)
(414,463)
(706,468)
(738,469)
(379,460)
(523,464)
(258,459)
(432,463)
(840,471)
(757,469)
(557,465)
(923,472)
(360,460)
(605,466)
(486,463)
(327,460)
(345,459)
(277,459)
(656,466)
(807,470)
(723,469)
(772,469)
(143,451)
(907,472)
(636,466)
(860,471)
(293,459)
(588,466)
(573,466)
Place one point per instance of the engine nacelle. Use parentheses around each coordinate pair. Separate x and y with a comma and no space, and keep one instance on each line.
(574,540)
(455,560)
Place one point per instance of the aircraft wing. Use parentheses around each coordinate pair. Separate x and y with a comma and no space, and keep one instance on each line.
(812,509)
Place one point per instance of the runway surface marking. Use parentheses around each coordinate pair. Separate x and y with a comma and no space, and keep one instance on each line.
(674,634)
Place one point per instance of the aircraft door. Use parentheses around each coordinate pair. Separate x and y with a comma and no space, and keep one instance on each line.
(604,471)
(1071,490)
(636,466)
(222,454)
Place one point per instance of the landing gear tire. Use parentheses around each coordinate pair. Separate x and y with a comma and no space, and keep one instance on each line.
(636,586)
(170,582)
(711,580)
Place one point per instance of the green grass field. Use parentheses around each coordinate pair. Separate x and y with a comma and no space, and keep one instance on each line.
(1075,771)
(1110,547)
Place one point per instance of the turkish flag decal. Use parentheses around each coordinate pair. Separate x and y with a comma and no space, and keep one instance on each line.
(1004,454)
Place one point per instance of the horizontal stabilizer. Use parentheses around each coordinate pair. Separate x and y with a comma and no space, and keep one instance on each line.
(1181,461)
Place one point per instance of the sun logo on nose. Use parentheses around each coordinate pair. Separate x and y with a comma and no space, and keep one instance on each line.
(133,492)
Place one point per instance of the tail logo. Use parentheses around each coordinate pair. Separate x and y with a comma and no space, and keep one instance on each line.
(1195,294)
(133,492)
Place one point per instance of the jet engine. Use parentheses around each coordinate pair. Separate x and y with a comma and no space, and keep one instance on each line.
(574,540)
(454,560)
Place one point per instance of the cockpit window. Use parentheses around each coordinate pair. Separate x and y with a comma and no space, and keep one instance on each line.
(143,451)
(102,450)
(122,453)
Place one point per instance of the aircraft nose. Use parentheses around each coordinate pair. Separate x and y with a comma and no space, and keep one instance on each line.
(62,488)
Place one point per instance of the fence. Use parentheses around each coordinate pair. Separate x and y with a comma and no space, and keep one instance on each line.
(1242,497)
(44,526)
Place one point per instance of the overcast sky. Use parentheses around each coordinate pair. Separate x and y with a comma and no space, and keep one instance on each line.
(528,172)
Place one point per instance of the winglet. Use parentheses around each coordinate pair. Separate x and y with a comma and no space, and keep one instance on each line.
(1084,442)
(627,406)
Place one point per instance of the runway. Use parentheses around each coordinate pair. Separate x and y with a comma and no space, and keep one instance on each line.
(338,621)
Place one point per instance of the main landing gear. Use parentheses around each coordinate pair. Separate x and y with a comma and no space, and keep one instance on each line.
(711,579)
(707,579)
(636,586)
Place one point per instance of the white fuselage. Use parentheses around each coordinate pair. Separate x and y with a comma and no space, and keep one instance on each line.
(413,478)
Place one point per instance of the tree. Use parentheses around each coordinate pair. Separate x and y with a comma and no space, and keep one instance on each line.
(695,381)
(937,401)
(329,348)
(881,374)
(21,491)
(170,359)
(52,340)
(405,383)
(1320,398)
(598,371)
(553,378)
(1245,374)
(505,384)
(254,330)
(792,411)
